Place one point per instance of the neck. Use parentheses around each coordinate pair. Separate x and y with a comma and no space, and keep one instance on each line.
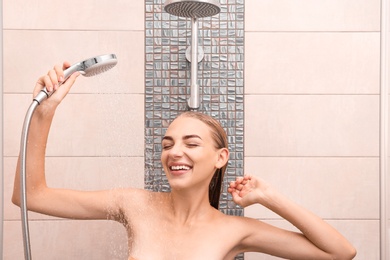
(189,206)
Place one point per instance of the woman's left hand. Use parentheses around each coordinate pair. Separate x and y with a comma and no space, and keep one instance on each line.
(248,190)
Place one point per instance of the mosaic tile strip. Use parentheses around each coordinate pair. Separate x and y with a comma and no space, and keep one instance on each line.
(220,76)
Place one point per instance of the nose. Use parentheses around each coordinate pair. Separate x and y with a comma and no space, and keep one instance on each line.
(176,151)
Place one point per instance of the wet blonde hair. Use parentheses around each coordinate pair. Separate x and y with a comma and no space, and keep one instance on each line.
(220,141)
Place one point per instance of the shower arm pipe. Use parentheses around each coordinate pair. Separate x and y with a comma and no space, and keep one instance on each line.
(193,102)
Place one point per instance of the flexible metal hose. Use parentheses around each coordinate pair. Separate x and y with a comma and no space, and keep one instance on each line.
(23,192)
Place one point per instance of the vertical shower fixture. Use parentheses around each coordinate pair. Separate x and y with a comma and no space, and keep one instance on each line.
(193,9)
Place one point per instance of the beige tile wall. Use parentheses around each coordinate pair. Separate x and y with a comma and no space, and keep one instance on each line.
(312,111)
(96,140)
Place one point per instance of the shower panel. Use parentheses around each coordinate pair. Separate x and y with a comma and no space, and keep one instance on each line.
(193,9)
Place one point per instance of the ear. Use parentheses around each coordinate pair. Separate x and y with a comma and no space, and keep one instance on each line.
(223,157)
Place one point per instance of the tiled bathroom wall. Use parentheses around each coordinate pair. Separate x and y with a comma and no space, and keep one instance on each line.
(96,140)
(312,111)
(311,121)
(220,76)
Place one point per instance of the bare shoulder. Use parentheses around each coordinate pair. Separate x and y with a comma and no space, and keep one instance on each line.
(240,221)
(241,226)
(133,197)
(238,233)
(122,199)
(248,231)
(251,226)
(131,201)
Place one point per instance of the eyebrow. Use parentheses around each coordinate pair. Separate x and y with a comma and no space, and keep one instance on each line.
(186,137)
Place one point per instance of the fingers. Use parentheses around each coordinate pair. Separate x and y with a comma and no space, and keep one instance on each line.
(236,197)
(69,83)
(59,74)
(55,83)
(52,81)
(65,65)
(240,182)
(62,91)
(54,77)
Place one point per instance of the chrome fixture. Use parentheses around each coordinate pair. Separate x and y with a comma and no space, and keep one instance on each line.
(193,9)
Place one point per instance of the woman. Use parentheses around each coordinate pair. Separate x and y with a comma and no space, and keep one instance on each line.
(184,223)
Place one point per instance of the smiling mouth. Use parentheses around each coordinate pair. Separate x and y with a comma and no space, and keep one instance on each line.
(179,168)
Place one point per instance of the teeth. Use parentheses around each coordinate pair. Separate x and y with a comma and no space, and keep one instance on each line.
(180,167)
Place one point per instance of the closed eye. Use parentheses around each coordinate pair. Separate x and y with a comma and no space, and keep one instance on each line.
(166,146)
(192,145)
(167,142)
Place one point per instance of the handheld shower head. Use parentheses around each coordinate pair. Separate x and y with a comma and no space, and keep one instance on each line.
(92,66)
(87,68)
(192,8)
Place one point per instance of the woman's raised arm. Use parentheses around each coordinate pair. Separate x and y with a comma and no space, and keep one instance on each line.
(50,201)
(318,240)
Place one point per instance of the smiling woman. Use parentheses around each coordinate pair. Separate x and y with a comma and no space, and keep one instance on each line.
(194,158)
(219,141)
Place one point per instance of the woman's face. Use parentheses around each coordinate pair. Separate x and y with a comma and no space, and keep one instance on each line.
(189,156)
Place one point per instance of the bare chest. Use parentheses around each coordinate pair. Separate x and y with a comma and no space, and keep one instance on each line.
(157,238)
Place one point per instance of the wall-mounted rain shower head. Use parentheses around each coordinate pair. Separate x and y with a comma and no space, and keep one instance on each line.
(192,8)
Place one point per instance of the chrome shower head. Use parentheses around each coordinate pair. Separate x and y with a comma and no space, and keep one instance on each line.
(92,66)
(192,8)
(87,68)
